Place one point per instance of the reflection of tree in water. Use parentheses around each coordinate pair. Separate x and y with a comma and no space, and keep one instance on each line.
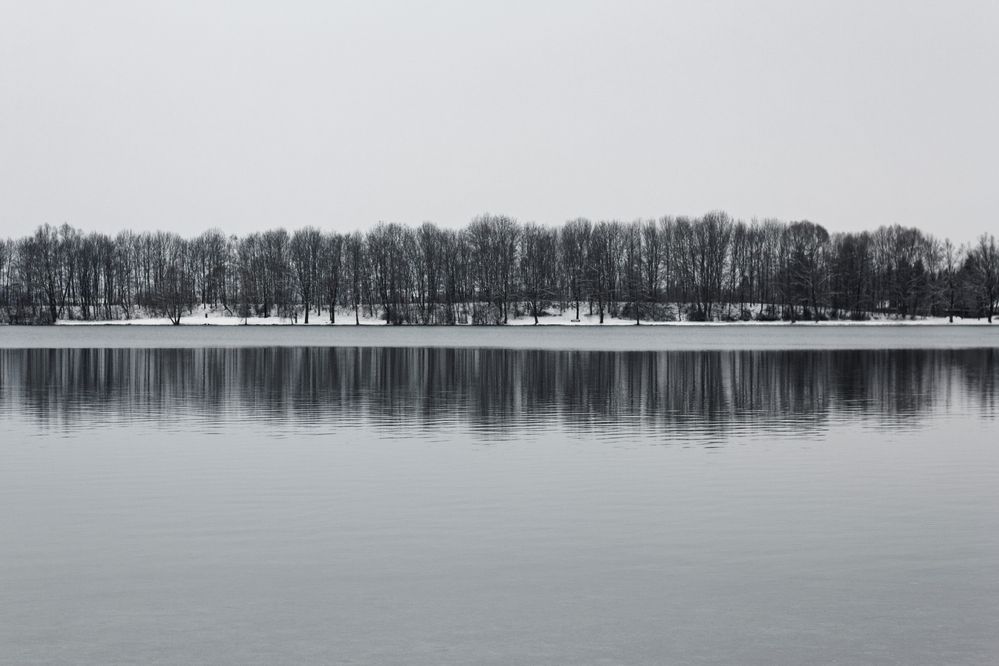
(495,392)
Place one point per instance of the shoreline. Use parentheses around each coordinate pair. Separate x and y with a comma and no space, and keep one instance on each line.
(613,338)
(190,322)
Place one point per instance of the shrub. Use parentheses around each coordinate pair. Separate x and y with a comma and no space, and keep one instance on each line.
(484,314)
(693,314)
(769,314)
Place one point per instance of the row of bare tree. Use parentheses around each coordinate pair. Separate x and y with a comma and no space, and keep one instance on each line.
(704,268)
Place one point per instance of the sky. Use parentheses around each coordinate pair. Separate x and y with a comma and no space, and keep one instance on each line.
(248,115)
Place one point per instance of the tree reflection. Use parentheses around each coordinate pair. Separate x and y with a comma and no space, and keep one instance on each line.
(495,393)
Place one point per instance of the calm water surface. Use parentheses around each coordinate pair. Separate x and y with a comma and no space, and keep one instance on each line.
(455,505)
(595,338)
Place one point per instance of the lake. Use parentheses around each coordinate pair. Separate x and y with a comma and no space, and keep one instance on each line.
(690,495)
(596,338)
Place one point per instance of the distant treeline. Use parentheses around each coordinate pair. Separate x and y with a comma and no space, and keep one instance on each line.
(705,268)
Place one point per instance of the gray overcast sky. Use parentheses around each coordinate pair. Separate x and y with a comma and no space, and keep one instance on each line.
(246,115)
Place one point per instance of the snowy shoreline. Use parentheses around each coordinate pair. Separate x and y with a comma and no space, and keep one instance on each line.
(616,335)
(553,321)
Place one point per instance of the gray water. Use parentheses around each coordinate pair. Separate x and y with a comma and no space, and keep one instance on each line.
(428,505)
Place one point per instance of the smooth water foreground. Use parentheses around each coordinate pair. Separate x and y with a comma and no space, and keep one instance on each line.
(463,505)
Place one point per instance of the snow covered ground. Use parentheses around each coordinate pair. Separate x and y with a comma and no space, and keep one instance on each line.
(216,317)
